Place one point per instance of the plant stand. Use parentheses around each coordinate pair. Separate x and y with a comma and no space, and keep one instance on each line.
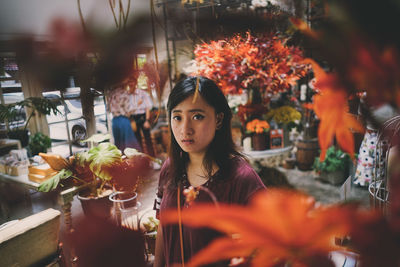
(336,178)
(270,157)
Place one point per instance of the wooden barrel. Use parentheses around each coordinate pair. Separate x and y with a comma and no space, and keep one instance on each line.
(307,150)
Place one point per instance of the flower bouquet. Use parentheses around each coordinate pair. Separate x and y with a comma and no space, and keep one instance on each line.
(257,126)
(259,131)
(284,115)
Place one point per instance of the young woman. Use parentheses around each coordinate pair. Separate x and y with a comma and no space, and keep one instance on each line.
(202,153)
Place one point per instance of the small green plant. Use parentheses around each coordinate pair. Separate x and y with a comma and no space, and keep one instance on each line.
(39,143)
(335,160)
(15,111)
(151,225)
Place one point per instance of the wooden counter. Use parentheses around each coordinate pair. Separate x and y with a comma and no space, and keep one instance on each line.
(20,180)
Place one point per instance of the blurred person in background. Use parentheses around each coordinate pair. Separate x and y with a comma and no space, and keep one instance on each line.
(119,104)
(141,105)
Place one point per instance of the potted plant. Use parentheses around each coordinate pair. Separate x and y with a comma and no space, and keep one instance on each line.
(100,170)
(39,142)
(11,112)
(258,129)
(334,168)
(150,234)
(286,117)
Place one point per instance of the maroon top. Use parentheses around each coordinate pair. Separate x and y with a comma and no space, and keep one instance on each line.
(236,189)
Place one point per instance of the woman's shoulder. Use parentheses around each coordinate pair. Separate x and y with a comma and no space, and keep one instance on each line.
(240,172)
(164,177)
(165,167)
(244,180)
(240,167)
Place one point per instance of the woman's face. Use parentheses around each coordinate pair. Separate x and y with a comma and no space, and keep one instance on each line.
(194,124)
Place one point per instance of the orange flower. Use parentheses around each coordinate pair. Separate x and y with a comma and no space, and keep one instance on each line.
(257,126)
(330,105)
(278,225)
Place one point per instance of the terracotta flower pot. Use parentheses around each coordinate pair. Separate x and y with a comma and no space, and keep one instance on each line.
(260,141)
(99,207)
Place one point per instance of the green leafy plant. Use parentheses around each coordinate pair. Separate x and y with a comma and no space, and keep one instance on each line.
(91,168)
(100,165)
(335,160)
(151,225)
(39,142)
(9,112)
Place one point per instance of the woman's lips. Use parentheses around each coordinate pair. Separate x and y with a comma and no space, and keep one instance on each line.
(187,141)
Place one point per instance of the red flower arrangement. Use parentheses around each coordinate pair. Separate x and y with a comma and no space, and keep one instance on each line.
(244,62)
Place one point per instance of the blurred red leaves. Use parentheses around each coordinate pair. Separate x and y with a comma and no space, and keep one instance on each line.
(365,67)
(96,242)
(68,39)
(375,71)
(362,65)
(242,62)
(127,174)
(331,106)
(277,226)
(375,239)
(157,76)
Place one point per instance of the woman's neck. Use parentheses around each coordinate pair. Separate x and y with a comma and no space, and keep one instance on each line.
(196,173)
(196,160)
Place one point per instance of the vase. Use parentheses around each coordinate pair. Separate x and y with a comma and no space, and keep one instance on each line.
(99,207)
(260,141)
(126,209)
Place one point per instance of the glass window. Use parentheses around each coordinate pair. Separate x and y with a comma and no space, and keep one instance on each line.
(69,128)
(10,93)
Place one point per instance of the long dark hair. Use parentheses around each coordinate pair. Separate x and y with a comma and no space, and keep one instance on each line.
(222,148)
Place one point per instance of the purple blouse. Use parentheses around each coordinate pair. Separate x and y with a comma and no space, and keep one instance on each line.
(237,189)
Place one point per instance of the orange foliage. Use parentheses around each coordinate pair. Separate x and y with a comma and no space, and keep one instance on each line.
(243,62)
(368,68)
(377,72)
(278,225)
(331,106)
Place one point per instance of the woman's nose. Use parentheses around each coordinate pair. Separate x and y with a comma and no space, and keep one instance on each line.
(187,128)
